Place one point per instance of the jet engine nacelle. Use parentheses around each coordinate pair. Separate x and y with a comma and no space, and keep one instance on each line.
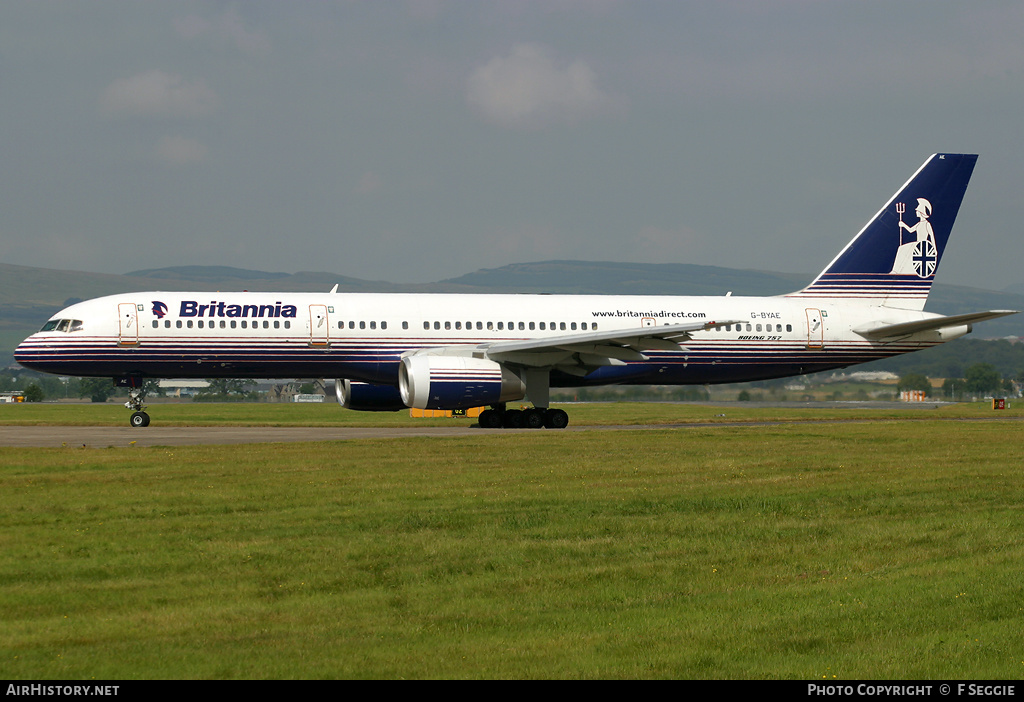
(366,397)
(456,382)
(950,333)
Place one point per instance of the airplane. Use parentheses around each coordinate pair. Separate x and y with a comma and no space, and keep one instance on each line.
(392,351)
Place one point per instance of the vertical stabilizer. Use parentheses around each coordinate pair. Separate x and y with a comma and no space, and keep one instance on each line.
(894,258)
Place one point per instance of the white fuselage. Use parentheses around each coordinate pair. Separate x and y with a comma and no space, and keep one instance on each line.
(364,336)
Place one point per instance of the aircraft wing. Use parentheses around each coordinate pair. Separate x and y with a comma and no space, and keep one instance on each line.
(882,331)
(580,353)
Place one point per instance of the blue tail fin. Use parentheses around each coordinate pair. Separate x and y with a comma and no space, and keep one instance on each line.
(893,260)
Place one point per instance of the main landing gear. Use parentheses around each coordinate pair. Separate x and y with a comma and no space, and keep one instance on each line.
(538,385)
(533,418)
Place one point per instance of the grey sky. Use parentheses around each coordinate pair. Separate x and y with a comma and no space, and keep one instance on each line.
(419,140)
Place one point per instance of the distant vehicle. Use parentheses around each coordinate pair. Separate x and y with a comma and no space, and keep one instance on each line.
(456,351)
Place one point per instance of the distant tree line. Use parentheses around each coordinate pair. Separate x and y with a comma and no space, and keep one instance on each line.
(951,360)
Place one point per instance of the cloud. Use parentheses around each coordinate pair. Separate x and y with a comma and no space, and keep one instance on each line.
(180,151)
(158,94)
(528,90)
(369,184)
(230,28)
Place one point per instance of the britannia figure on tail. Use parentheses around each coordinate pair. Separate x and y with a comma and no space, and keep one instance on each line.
(918,257)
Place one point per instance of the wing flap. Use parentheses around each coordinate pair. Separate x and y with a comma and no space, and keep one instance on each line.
(591,349)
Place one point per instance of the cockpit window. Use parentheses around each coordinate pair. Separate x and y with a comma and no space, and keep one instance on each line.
(62,325)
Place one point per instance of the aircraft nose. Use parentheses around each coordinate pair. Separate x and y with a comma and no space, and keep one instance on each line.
(22,354)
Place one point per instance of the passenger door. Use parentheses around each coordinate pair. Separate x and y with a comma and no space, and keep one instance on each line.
(815,329)
(319,326)
(127,324)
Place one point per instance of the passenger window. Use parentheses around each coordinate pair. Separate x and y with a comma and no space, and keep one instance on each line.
(531,326)
(383,325)
(479,326)
(490,326)
(277,324)
(156,324)
(458,325)
(447,325)
(573,326)
(501,326)
(561,326)
(244,323)
(223,324)
(542,326)
(593,326)
(758,327)
(287,324)
(426,325)
(373,325)
(583,326)
(789,327)
(178,324)
(234,324)
(188,324)
(437,325)
(405,325)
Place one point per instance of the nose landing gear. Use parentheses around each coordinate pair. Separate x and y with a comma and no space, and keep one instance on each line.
(136,397)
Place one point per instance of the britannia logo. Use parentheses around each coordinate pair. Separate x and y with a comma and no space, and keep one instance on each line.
(159,309)
(919,256)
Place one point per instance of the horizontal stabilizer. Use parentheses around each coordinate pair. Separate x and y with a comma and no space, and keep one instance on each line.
(882,331)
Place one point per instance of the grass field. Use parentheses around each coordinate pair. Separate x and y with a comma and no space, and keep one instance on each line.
(268,414)
(887,548)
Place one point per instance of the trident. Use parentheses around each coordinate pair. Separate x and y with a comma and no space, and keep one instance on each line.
(900,209)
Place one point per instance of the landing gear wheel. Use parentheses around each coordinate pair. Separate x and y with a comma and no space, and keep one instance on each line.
(491,419)
(533,418)
(139,419)
(556,419)
(513,419)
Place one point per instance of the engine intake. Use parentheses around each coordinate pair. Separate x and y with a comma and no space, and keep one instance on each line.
(366,397)
(456,382)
